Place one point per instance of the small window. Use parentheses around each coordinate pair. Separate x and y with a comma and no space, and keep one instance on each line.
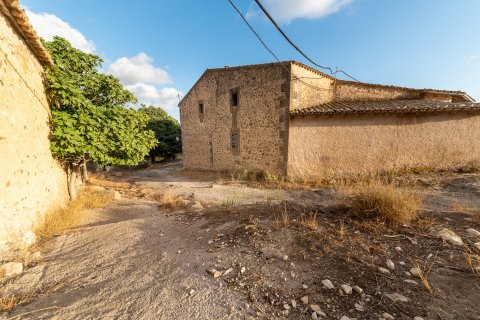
(200,108)
(235,140)
(234,98)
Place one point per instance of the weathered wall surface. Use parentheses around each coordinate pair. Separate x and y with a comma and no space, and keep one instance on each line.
(324,146)
(261,119)
(309,88)
(31,181)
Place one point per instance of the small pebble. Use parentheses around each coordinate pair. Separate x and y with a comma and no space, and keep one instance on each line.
(387,316)
(357,289)
(304,299)
(390,264)
(346,288)
(384,271)
(328,284)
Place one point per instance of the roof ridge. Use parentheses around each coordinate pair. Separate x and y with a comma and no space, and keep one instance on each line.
(18,17)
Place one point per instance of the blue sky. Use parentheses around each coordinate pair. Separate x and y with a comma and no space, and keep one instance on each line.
(160,48)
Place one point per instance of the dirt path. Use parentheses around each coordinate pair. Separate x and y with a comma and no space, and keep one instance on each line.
(133,261)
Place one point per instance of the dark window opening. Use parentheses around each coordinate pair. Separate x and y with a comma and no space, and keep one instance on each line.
(200,108)
(234,99)
(235,140)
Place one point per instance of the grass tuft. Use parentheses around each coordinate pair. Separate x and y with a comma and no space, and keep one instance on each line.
(171,201)
(384,201)
(58,220)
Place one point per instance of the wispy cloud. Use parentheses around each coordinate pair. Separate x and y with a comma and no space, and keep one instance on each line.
(475,57)
(286,11)
(48,25)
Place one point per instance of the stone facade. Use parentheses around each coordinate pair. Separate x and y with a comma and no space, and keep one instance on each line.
(265,132)
(31,181)
(249,133)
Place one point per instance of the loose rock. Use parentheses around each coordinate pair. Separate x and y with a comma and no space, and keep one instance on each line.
(359,307)
(390,264)
(473,232)
(314,315)
(396,297)
(477,245)
(317,310)
(11,269)
(410,281)
(304,299)
(294,303)
(215,273)
(357,289)
(416,272)
(387,316)
(328,284)
(450,237)
(346,288)
(417,318)
(384,271)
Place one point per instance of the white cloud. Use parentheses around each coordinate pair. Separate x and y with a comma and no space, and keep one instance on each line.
(138,69)
(48,25)
(149,94)
(287,10)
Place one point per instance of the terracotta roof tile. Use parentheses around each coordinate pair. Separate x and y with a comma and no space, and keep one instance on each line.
(12,9)
(391,106)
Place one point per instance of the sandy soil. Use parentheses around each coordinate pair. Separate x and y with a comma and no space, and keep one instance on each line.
(134,261)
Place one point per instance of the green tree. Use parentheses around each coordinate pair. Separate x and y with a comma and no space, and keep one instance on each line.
(90,119)
(167,132)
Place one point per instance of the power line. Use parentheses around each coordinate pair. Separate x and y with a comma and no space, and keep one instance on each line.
(271,51)
(296,47)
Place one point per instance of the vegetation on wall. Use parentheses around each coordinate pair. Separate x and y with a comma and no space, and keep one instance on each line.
(91,120)
(167,132)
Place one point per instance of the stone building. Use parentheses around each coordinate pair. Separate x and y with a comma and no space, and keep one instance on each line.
(290,119)
(31,181)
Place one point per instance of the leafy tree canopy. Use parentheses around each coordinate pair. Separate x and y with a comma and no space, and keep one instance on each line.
(167,132)
(90,118)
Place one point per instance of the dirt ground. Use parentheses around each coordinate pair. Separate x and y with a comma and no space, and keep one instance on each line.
(255,253)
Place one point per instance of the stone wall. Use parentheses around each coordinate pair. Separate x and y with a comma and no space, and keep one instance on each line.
(31,181)
(309,88)
(325,146)
(259,122)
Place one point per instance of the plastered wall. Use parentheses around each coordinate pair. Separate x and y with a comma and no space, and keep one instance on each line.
(261,119)
(31,181)
(325,146)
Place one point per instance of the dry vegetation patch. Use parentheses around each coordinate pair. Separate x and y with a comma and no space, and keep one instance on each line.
(58,220)
(384,201)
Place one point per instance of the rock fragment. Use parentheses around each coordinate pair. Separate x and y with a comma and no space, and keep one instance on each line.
(11,269)
(346,289)
(384,271)
(357,289)
(388,316)
(328,284)
(473,232)
(396,297)
(450,237)
(390,264)
(304,299)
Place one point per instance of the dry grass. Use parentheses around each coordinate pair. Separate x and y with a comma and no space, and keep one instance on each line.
(472,166)
(8,301)
(310,222)
(424,272)
(341,230)
(58,220)
(384,201)
(473,261)
(95,181)
(170,201)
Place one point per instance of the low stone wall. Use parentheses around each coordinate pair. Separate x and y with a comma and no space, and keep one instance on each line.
(326,146)
(31,181)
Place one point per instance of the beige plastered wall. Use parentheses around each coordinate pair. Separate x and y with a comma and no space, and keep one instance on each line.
(261,118)
(325,146)
(31,181)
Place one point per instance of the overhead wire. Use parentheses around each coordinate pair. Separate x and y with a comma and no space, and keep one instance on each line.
(269,16)
(271,51)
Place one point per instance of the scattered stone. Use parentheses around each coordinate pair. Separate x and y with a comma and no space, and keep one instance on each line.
(210,241)
(344,318)
(411,281)
(285,257)
(11,269)
(304,286)
(402,263)
(304,299)
(477,245)
(357,289)
(117,195)
(388,316)
(450,237)
(192,291)
(390,264)
(35,257)
(317,310)
(473,232)
(242,270)
(416,272)
(197,206)
(228,271)
(407,273)
(215,273)
(396,297)
(286,306)
(417,318)
(399,249)
(384,271)
(359,307)
(314,315)
(294,303)
(346,288)
(328,284)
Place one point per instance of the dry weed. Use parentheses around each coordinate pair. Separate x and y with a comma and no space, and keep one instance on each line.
(425,272)
(473,261)
(171,201)
(384,201)
(58,220)
(341,230)
(108,184)
(310,222)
